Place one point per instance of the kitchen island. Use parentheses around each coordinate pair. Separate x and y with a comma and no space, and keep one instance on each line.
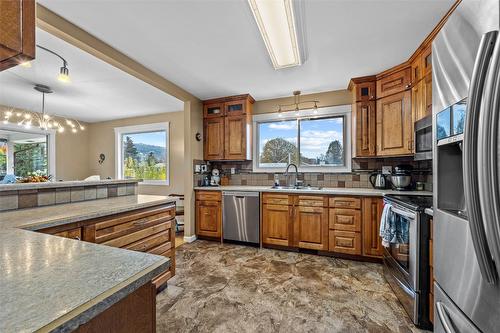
(52,283)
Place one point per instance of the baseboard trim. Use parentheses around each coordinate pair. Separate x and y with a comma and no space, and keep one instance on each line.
(189,239)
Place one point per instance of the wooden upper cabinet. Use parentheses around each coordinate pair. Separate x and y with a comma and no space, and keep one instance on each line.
(372,212)
(213,130)
(227,130)
(365,91)
(426,59)
(364,129)
(417,100)
(277,224)
(394,83)
(311,228)
(213,110)
(235,138)
(17,32)
(427,87)
(395,125)
(416,70)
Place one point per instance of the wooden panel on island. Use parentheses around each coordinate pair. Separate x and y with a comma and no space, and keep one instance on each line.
(150,230)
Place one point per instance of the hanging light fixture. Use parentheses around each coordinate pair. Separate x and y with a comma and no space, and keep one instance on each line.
(42,120)
(296,105)
(63,70)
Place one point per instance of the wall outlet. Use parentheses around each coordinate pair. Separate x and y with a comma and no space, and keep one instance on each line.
(386,170)
(233,171)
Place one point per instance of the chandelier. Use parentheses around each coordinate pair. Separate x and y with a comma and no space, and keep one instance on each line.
(296,105)
(43,121)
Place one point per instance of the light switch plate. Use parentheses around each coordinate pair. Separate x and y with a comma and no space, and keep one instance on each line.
(386,169)
(197,168)
(233,171)
(204,168)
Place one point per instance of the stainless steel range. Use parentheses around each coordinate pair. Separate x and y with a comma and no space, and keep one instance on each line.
(406,263)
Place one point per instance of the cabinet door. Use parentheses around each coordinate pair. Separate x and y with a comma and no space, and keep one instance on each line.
(235,146)
(395,125)
(417,100)
(427,93)
(208,218)
(364,122)
(213,110)
(365,91)
(311,228)
(427,61)
(214,138)
(416,70)
(276,224)
(17,32)
(394,83)
(372,211)
(235,108)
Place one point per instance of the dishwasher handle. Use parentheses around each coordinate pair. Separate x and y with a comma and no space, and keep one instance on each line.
(240,195)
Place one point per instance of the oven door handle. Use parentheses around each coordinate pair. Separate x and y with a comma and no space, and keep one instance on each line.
(404,213)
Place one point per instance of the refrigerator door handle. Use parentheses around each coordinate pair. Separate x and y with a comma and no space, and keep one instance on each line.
(470,159)
(444,317)
(488,154)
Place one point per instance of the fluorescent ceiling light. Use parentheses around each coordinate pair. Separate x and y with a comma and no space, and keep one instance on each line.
(276,22)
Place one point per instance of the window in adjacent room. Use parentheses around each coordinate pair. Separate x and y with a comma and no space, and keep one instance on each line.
(315,142)
(142,153)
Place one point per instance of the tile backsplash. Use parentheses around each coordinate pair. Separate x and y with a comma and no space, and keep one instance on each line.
(358,178)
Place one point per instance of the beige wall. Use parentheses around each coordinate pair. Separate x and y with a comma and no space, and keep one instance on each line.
(328,98)
(102,140)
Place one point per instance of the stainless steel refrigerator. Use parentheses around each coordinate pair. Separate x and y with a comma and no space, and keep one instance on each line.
(466,158)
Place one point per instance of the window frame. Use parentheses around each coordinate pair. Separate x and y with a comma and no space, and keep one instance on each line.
(135,129)
(326,112)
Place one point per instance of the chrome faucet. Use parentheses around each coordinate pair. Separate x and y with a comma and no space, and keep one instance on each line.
(296,175)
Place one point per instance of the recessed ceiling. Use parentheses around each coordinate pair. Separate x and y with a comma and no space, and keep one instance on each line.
(97,91)
(213,48)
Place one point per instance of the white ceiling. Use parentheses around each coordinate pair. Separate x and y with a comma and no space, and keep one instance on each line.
(97,91)
(213,48)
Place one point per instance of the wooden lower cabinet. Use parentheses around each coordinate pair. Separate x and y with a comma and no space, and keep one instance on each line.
(372,212)
(208,214)
(346,242)
(134,313)
(277,222)
(311,228)
(150,230)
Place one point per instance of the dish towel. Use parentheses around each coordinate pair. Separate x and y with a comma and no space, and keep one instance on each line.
(393,228)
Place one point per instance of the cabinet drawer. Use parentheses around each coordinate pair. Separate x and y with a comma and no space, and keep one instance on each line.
(124,225)
(148,243)
(209,195)
(75,233)
(344,242)
(139,235)
(345,202)
(345,219)
(312,201)
(394,83)
(276,199)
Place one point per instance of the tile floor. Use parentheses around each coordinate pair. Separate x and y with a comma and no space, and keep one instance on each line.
(230,288)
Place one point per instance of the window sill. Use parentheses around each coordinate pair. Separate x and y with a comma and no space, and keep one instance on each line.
(154,183)
(304,170)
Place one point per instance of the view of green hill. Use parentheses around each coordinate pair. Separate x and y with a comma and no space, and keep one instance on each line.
(145,149)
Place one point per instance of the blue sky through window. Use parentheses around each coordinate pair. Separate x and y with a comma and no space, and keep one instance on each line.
(149,138)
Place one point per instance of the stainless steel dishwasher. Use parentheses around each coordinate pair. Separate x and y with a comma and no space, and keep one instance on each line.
(240,216)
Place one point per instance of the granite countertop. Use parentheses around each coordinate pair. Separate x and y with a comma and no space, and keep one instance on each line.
(53,283)
(57,184)
(325,190)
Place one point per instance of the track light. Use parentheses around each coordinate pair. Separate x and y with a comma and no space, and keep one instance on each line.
(64,75)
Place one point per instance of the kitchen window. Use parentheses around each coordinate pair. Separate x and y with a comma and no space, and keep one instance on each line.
(316,141)
(142,152)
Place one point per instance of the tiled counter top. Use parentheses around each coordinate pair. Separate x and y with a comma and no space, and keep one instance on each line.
(53,283)
(73,183)
(327,191)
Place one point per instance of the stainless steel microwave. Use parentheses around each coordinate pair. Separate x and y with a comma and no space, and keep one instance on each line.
(423,139)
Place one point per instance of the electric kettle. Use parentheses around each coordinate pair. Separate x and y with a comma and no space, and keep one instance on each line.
(378,180)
